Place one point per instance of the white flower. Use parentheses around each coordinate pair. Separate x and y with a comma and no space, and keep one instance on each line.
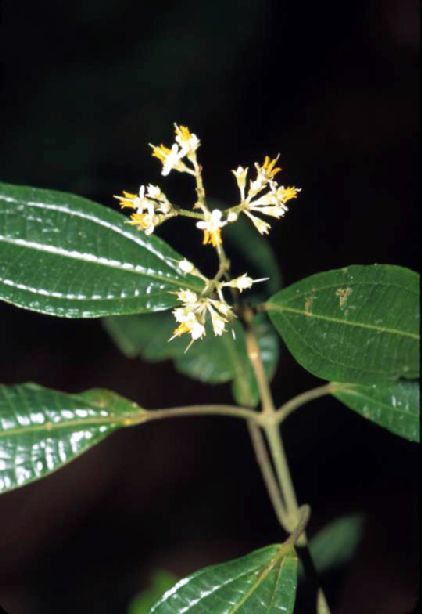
(272,197)
(188,297)
(224,309)
(187,141)
(241,175)
(262,227)
(170,158)
(151,207)
(218,322)
(189,268)
(265,174)
(186,266)
(154,192)
(212,226)
(196,330)
(192,315)
(244,282)
(273,203)
(144,222)
(132,201)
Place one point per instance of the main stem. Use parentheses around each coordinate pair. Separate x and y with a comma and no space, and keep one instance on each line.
(289,512)
(281,465)
(264,463)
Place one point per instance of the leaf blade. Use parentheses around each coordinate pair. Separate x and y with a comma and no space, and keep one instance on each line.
(64,255)
(359,324)
(336,543)
(265,578)
(394,406)
(42,430)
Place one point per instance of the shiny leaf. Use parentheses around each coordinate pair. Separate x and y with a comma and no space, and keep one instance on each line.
(213,360)
(41,430)
(358,324)
(264,580)
(67,256)
(336,543)
(395,405)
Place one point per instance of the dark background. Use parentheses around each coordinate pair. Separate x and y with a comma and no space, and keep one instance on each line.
(333,87)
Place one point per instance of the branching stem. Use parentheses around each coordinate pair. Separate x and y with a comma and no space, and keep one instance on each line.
(231,411)
(193,214)
(293,518)
(301,399)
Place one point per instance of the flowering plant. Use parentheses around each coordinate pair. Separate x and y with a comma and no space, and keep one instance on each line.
(355,328)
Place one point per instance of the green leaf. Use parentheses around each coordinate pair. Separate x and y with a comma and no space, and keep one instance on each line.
(337,542)
(213,360)
(161,582)
(395,405)
(66,256)
(358,324)
(148,336)
(242,239)
(264,580)
(41,430)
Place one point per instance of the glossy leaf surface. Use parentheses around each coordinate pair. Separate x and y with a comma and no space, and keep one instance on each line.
(67,256)
(41,430)
(263,581)
(394,406)
(212,360)
(336,543)
(358,324)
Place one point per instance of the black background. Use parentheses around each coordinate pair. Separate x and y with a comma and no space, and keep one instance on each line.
(333,87)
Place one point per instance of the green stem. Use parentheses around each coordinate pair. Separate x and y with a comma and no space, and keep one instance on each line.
(281,465)
(188,213)
(258,367)
(304,514)
(293,518)
(301,399)
(231,411)
(264,463)
(200,190)
(224,264)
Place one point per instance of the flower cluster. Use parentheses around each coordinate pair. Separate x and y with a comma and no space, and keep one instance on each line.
(151,207)
(192,316)
(261,195)
(265,196)
(185,146)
